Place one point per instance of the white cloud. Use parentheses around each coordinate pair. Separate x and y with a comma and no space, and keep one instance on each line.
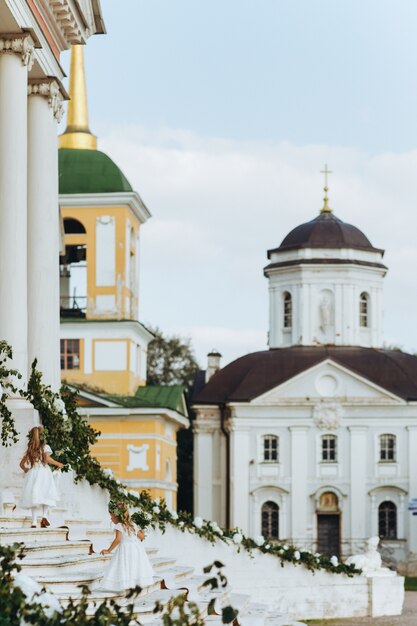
(219,204)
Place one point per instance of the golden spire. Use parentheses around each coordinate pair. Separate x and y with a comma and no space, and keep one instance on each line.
(77,134)
(325,208)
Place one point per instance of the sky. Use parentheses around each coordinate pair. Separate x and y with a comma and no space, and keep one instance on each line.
(222,114)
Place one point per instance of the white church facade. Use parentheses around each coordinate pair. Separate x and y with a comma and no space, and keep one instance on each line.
(314,441)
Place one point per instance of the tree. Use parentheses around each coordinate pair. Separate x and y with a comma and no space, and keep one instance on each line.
(171,361)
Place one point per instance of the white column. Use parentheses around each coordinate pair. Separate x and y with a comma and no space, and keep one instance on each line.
(239,478)
(412,490)
(43,229)
(15,56)
(299,475)
(203,470)
(358,505)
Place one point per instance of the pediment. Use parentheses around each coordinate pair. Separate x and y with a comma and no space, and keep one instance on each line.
(327,380)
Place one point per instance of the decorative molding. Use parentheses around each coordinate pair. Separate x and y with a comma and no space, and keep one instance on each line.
(21,44)
(327,415)
(50,89)
(205,427)
(138,457)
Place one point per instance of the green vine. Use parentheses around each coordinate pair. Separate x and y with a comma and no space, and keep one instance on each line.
(9,434)
(71,438)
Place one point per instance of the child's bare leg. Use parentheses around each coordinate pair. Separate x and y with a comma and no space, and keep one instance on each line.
(34,509)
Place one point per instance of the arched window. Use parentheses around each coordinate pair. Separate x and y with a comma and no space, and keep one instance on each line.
(329,449)
(270,520)
(387,448)
(73,226)
(364,310)
(271,448)
(287,310)
(387,520)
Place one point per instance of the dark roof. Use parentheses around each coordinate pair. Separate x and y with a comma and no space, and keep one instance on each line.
(89,171)
(325,231)
(254,374)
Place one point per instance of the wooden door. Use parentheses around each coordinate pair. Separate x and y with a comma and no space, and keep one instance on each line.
(328,534)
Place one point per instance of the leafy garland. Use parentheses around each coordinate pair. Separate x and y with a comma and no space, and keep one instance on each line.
(71,437)
(23,601)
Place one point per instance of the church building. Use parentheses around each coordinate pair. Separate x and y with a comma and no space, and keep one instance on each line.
(314,441)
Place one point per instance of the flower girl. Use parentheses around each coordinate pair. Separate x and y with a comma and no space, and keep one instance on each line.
(130,566)
(39,489)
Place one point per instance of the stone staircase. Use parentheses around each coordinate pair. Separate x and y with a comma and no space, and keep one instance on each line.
(62,559)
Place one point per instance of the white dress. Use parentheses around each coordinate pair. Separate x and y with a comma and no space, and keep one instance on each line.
(39,487)
(130,565)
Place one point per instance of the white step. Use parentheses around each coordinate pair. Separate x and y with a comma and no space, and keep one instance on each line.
(56,549)
(69,583)
(36,566)
(146,604)
(32,535)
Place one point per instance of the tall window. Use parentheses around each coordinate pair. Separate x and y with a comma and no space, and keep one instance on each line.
(387,520)
(387,448)
(364,310)
(287,310)
(329,448)
(70,354)
(271,448)
(270,520)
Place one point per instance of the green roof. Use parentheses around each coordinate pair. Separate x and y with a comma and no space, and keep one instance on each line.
(89,171)
(165,396)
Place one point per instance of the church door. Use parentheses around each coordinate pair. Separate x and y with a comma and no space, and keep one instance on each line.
(328,534)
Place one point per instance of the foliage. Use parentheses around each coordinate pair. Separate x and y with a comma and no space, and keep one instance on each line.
(9,434)
(171,361)
(22,601)
(70,436)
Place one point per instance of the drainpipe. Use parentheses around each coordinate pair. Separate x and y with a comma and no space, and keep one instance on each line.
(223,417)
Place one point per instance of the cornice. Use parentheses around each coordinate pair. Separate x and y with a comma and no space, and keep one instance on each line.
(128,198)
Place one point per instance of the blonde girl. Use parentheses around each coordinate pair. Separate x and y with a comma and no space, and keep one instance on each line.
(130,566)
(39,489)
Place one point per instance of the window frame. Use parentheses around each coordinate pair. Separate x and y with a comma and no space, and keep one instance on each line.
(386,450)
(66,354)
(270,508)
(287,310)
(364,310)
(386,509)
(268,451)
(328,450)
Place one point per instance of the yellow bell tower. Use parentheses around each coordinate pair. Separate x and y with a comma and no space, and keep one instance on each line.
(103,344)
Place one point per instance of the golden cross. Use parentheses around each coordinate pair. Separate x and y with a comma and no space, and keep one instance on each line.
(326,208)
(326,171)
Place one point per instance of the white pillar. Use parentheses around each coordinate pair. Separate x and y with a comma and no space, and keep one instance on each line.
(299,475)
(239,478)
(44,108)
(203,470)
(358,505)
(412,490)
(15,56)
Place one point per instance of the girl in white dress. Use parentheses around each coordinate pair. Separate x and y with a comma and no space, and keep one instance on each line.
(39,489)
(130,567)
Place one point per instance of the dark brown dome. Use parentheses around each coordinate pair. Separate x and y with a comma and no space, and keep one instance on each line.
(326,231)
